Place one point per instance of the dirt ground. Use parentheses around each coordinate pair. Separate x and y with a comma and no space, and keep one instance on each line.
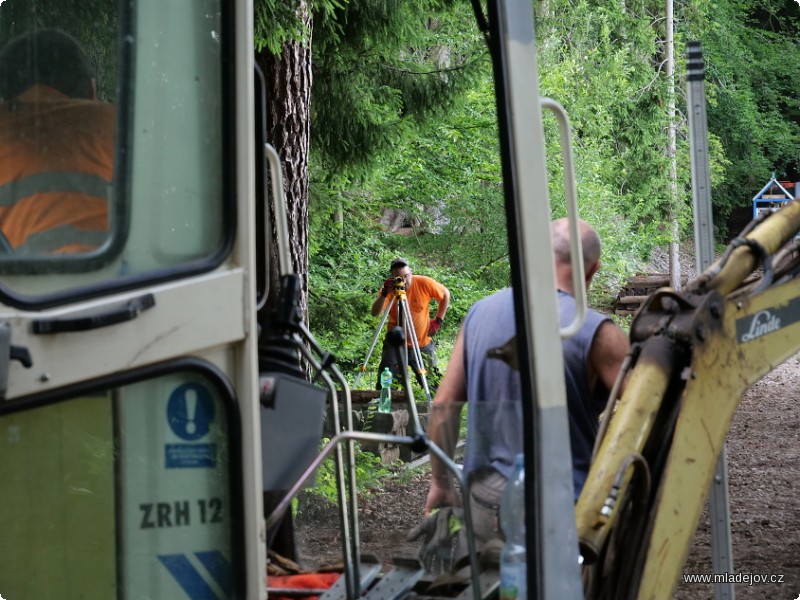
(764,474)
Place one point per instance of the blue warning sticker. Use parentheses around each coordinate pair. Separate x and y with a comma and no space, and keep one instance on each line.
(190,411)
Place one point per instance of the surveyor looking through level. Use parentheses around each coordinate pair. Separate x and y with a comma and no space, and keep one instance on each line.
(492,388)
(420,291)
(56,147)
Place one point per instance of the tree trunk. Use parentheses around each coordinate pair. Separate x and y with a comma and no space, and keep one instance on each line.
(288,89)
(287,81)
(674,208)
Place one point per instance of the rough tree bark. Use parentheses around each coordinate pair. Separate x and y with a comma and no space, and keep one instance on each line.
(288,88)
(288,96)
(674,209)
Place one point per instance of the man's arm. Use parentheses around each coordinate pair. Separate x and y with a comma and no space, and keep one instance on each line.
(444,303)
(377,306)
(380,301)
(609,348)
(443,427)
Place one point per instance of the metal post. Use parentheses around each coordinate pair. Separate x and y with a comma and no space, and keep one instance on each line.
(719,504)
(551,537)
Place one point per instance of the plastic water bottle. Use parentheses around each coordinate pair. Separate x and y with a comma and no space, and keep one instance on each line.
(385,402)
(513,565)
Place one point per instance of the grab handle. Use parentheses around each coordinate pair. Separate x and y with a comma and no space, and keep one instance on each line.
(576,248)
(279,204)
(130,311)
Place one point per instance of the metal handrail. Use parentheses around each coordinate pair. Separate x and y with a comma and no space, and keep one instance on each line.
(576,247)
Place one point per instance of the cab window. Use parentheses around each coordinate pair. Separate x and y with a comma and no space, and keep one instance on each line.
(112,169)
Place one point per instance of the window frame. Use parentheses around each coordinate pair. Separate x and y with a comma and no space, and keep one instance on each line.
(65,264)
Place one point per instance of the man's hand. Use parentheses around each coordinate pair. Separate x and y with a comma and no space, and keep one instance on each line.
(438,534)
(441,494)
(388,285)
(435,326)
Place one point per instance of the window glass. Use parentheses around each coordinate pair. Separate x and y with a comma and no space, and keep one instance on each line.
(124,493)
(177,162)
(111,143)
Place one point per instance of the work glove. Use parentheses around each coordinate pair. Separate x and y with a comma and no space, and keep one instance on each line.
(435,326)
(388,285)
(439,535)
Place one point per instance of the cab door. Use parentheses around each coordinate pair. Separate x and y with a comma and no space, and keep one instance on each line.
(128,373)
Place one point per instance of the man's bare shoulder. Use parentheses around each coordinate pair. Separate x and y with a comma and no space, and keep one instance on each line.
(610,339)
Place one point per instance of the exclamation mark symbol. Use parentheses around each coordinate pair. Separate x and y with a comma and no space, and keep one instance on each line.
(191,411)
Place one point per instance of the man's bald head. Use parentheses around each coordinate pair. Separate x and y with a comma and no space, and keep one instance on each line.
(559,231)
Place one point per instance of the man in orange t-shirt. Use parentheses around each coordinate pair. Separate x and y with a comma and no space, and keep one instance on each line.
(420,292)
(56,148)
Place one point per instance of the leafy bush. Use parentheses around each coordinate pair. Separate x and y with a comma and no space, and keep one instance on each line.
(370,473)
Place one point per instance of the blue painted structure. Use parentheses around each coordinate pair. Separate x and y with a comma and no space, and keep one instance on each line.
(773,195)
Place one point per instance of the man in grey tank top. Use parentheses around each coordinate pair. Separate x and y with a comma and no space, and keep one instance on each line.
(592,360)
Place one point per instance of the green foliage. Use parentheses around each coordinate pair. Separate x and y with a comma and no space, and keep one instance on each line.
(346,273)
(383,75)
(604,62)
(449,181)
(380,68)
(383,141)
(347,266)
(602,71)
(279,21)
(623,322)
(752,54)
(370,473)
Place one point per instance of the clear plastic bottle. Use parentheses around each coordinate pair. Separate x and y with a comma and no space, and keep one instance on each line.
(513,565)
(385,402)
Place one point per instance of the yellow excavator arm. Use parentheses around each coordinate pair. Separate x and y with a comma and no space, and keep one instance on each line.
(693,355)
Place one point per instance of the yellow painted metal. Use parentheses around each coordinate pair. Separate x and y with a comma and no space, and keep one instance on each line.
(771,235)
(723,368)
(699,352)
(627,433)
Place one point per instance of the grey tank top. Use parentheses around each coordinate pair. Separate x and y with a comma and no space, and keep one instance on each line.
(494,410)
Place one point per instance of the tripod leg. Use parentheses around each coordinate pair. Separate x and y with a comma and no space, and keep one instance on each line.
(412,335)
(363,367)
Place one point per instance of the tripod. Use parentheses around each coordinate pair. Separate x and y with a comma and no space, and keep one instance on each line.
(399,302)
